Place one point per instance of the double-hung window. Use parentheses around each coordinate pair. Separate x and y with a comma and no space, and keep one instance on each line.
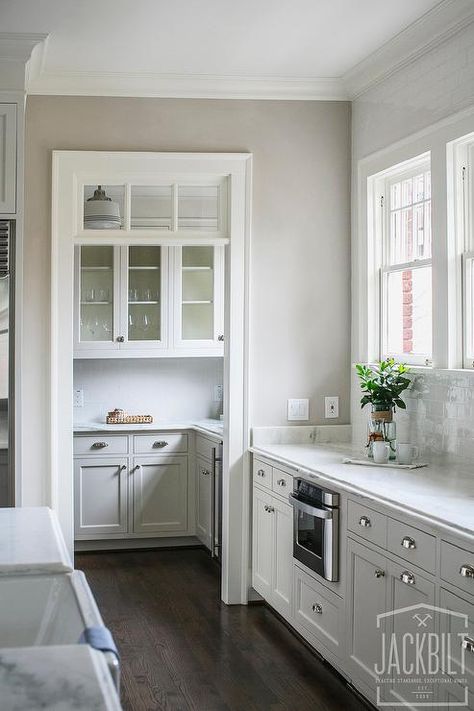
(404,245)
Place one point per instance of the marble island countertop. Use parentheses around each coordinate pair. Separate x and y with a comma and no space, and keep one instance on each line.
(207,426)
(56,678)
(31,542)
(440,493)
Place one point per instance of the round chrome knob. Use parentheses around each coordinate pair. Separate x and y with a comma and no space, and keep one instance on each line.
(317,608)
(467,571)
(379,573)
(408,542)
(468,644)
(221,337)
(120,339)
(365,522)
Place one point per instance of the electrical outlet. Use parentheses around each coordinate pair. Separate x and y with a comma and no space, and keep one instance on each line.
(298,409)
(218,393)
(78,398)
(331,407)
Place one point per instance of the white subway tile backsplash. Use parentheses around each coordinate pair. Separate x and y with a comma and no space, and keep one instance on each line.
(439,417)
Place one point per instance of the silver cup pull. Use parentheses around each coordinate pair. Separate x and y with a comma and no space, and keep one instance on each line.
(408,542)
(467,571)
(281,482)
(407,578)
(379,573)
(100,445)
(160,444)
(468,644)
(365,522)
(206,472)
(318,608)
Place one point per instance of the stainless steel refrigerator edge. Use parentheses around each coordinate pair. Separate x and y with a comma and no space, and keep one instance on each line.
(7,485)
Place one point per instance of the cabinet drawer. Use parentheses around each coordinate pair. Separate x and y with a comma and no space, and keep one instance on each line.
(262,473)
(457,567)
(411,544)
(367,523)
(101,444)
(282,483)
(160,442)
(317,609)
(205,448)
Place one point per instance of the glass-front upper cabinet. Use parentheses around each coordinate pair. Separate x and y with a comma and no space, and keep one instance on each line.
(96,297)
(199,296)
(174,207)
(121,296)
(145,274)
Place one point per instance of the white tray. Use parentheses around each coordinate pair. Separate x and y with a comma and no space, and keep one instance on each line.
(389,465)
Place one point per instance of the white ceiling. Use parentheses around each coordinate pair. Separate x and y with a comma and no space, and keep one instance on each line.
(254,40)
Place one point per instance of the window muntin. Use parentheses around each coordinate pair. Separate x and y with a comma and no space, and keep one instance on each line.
(405,278)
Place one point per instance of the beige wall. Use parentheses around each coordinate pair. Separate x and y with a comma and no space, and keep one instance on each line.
(300,277)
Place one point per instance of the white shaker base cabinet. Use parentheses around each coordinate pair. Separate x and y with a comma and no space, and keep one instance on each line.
(273,550)
(100,496)
(160,494)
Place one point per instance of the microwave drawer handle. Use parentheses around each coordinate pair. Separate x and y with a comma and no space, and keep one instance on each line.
(310,510)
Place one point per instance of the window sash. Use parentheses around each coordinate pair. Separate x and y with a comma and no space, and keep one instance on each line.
(384,272)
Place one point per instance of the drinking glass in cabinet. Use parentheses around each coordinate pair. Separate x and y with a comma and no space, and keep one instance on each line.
(96,290)
(198,208)
(197,293)
(151,207)
(144,293)
(103,207)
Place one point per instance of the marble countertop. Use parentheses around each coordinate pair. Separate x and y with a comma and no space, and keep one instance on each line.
(440,493)
(208,426)
(31,541)
(57,678)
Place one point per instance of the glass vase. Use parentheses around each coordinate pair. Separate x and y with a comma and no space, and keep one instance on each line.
(381,427)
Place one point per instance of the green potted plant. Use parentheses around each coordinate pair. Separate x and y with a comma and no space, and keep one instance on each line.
(382,386)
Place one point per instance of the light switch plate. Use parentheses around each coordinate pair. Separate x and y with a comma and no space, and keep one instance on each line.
(298,409)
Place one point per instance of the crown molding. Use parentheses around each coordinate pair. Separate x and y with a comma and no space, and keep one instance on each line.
(431,30)
(16,48)
(194,86)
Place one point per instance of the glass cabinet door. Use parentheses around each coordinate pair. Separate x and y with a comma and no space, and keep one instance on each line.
(95,296)
(145,272)
(199,298)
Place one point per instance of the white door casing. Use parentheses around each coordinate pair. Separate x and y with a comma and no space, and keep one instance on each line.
(72,170)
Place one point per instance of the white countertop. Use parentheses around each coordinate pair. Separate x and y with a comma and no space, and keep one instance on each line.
(56,679)
(440,493)
(209,426)
(31,541)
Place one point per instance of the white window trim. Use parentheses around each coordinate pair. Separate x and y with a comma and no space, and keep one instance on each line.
(461,162)
(441,140)
(378,186)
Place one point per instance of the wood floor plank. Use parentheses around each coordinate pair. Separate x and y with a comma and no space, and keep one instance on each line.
(182,649)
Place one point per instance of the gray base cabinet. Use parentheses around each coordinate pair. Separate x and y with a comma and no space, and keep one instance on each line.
(124,488)
(100,496)
(396,566)
(160,494)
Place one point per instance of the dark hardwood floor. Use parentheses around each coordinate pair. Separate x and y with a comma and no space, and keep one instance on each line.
(181,648)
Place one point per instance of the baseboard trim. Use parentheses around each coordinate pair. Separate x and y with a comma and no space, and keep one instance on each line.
(137,544)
